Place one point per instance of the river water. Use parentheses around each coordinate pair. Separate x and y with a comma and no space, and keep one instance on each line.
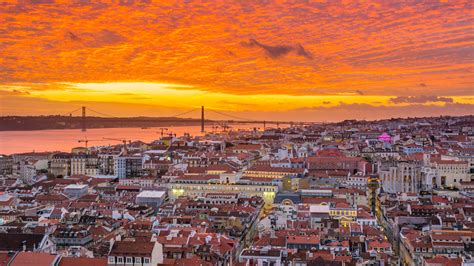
(66,139)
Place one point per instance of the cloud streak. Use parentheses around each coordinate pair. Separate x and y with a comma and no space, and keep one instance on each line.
(277,51)
(13,93)
(420,99)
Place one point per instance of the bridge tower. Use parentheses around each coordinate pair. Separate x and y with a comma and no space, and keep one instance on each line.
(202,119)
(84,118)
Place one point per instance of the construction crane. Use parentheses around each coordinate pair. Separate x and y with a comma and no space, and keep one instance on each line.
(86,141)
(162,130)
(124,141)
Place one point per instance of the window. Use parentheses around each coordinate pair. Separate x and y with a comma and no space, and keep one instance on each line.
(138,260)
(119,260)
(129,260)
(111,259)
(146,260)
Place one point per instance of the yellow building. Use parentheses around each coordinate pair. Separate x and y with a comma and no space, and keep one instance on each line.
(200,190)
(344,213)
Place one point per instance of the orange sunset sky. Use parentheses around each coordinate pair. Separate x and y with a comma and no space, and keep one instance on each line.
(295,60)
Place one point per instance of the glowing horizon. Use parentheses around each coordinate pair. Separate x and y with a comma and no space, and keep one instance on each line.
(325,60)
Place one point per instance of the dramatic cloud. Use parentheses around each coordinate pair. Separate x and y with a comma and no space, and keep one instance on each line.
(378,48)
(302,52)
(358,52)
(279,50)
(271,51)
(105,37)
(420,99)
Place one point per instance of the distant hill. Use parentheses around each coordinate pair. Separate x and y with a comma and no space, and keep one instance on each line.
(12,123)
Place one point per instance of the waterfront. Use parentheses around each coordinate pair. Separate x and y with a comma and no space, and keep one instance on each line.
(65,139)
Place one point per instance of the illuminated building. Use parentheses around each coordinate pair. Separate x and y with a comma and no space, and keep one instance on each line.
(201,190)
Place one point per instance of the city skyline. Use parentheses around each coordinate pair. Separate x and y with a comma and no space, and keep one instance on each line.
(265,60)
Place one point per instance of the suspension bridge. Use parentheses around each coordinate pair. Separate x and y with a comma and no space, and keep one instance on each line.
(226,118)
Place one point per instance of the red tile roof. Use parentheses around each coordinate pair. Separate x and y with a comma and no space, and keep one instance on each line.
(132,248)
(313,239)
(71,261)
(5,257)
(32,258)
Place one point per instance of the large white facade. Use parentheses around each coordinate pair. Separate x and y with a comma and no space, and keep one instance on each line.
(84,165)
(451,173)
(401,177)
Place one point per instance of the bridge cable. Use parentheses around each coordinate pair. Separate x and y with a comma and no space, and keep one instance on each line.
(70,112)
(102,114)
(183,113)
